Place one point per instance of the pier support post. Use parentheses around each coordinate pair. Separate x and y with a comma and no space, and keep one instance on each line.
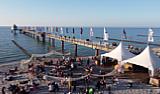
(32,35)
(14,31)
(38,38)
(29,34)
(62,46)
(75,51)
(35,36)
(49,40)
(53,42)
(96,52)
(43,35)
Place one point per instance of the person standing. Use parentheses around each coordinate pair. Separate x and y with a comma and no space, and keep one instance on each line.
(45,78)
(109,90)
(88,62)
(23,91)
(50,87)
(98,85)
(3,90)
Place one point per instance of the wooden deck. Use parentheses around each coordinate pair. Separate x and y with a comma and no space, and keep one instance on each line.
(89,44)
(81,42)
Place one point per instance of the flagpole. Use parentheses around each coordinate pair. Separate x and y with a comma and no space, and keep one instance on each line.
(105,37)
(57,31)
(91,33)
(67,32)
(61,32)
(73,32)
(104,32)
(81,31)
(150,36)
(53,30)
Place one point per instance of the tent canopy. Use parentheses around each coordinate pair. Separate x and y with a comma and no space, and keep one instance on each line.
(146,59)
(119,53)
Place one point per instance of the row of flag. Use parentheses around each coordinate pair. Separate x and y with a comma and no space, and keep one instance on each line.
(52,29)
(150,35)
(60,30)
(56,29)
(91,32)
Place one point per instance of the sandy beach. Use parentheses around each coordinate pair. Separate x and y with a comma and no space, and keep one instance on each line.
(121,86)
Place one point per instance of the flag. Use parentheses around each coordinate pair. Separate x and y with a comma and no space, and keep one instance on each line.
(150,35)
(106,36)
(56,29)
(43,29)
(73,31)
(124,34)
(61,30)
(52,30)
(33,28)
(40,29)
(81,32)
(37,29)
(66,30)
(47,29)
(91,31)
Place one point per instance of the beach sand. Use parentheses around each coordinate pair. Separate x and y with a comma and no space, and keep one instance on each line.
(119,88)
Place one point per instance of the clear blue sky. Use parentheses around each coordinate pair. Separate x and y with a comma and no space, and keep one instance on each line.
(80,12)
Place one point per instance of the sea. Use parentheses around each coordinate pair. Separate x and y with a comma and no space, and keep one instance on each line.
(9,52)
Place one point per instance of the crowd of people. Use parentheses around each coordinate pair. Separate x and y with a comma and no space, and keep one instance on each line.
(66,67)
(15,89)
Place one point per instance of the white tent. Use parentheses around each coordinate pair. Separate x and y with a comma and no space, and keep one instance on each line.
(146,59)
(120,53)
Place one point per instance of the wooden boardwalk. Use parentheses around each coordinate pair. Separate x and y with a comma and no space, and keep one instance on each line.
(89,44)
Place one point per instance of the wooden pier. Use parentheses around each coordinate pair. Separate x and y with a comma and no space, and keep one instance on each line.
(63,39)
(41,36)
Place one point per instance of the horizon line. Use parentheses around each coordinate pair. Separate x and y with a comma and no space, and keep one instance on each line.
(84,26)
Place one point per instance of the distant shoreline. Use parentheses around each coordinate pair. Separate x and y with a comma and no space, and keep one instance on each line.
(138,27)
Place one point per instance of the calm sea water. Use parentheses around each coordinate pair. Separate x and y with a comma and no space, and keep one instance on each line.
(9,52)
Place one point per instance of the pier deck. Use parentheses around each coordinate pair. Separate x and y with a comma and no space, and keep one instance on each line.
(89,44)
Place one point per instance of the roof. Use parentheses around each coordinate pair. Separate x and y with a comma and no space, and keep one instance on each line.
(146,59)
(120,53)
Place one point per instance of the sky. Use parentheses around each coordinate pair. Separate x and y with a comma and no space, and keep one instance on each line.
(118,13)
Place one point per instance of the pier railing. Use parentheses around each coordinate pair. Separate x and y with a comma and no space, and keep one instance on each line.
(89,44)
